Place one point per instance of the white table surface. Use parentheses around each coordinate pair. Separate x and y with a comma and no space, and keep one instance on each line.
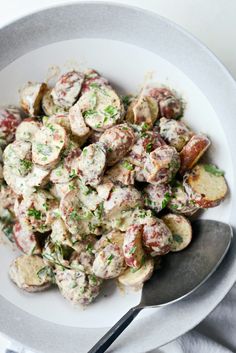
(214,23)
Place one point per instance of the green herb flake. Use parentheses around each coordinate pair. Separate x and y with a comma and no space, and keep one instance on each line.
(149,147)
(89,113)
(177,238)
(110,149)
(89,248)
(166,200)
(26,164)
(132,250)
(111,110)
(212,169)
(50,127)
(109,259)
(72,174)
(128,165)
(32,212)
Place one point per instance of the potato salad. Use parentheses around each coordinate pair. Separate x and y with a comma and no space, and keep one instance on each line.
(97,186)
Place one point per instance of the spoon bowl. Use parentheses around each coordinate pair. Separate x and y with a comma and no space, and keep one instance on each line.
(181,274)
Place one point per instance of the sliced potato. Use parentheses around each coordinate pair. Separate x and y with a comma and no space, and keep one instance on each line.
(36,211)
(77,287)
(181,231)
(122,172)
(25,240)
(77,123)
(48,105)
(25,270)
(77,217)
(118,141)
(193,151)
(206,185)
(61,119)
(109,262)
(27,130)
(136,278)
(92,163)
(132,246)
(143,110)
(175,132)
(157,238)
(10,118)
(17,158)
(101,107)
(181,202)
(48,144)
(157,197)
(31,97)
(67,89)
(161,165)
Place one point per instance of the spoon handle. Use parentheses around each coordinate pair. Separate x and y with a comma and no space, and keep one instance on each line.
(105,342)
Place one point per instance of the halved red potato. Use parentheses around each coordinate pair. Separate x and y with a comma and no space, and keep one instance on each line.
(93,80)
(101,107)
(175,133)
(17,158)
(27,130)
(36,211)
(67,89)
(122,172)
(78,218)
(181,230)
(25,270)
(61,119)
(77,287)
(161,165)
(31,97)
(118,141)
(146,142)
(136,278)
(25,240)
(121,199)
(61,189)
(104,188)
(67,169)
(170,106)
(193,151)
(10,118)
(157,197)
(142,110)
(48,105)
(26,185)
(180,201)
(88,196)
(92,164)
(48,145)
(113,237)
(132,246)
(157,238)
(206,185)
(109,262)
(77,123)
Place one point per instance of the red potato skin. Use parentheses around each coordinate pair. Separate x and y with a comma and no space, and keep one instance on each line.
(8,124)
(23,239)
(132,246)
(193,151)
(93,76)
(170,106)
(156,238)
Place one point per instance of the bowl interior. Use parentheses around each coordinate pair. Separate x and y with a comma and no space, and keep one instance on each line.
(128,68)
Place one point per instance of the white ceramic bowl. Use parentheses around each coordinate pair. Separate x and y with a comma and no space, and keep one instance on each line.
(125,44)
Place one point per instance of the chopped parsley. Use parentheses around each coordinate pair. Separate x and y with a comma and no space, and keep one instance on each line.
(94,85)
(149,147)
(166,200)
(111,111)
(89,113)
(212,169)
(72,174)
(32,212)
(126,100)
(109,259)
(128,165)
(43,149)
(80,217)
(132,250)
(89,248)
(26,165)
(110,149)
(177,238)
(46,272)
(50,127)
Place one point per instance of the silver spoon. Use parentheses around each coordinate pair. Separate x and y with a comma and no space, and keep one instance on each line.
(181,274)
